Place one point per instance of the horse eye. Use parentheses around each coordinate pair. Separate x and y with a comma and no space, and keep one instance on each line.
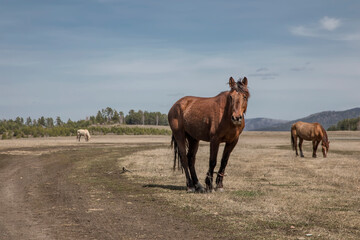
(245,97)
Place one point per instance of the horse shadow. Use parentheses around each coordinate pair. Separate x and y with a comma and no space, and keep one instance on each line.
(169,187)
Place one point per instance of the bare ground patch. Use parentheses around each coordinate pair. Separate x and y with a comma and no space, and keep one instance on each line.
(77,192)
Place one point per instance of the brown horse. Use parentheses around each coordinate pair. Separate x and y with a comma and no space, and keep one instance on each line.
(217,119)
(311,132)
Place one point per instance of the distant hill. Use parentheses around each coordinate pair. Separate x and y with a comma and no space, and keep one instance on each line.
(252,124)
(326,119)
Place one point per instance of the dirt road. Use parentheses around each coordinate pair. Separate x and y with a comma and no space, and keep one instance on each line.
(60,189)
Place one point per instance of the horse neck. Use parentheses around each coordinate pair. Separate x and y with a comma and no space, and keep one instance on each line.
(324,135)
(227,107)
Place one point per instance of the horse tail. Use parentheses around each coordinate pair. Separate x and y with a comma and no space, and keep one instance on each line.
(292,137)
(175,146)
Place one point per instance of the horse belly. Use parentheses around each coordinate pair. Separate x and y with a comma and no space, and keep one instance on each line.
(199,130)
(306,134)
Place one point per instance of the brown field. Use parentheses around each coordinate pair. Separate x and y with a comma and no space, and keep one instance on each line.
(57,188)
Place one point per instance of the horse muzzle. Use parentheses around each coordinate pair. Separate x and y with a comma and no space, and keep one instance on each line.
(236,120)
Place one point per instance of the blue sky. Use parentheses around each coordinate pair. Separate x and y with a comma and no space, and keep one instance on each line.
(73,58)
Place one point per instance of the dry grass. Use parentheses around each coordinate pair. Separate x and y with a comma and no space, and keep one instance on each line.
(270,193)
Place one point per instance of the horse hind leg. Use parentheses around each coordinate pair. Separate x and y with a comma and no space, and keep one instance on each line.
(294,142)
(180,142)
(300,146)
(191,156)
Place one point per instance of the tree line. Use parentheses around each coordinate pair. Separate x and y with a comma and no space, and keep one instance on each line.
(42,126)
(111,116)
(351,124)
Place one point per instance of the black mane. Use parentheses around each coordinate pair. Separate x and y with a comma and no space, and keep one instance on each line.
(240,87)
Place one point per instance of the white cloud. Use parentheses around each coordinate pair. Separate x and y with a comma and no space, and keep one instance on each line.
(325,29)
(330,24)
(303,31)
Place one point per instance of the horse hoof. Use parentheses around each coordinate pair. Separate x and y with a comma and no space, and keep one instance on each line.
(219,189)
(209,188)
(199,188)
(190,190)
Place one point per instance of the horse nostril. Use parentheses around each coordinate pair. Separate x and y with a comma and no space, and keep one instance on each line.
(236,119)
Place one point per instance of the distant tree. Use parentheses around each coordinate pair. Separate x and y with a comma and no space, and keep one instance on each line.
(92,119)
(104,115)
(41,121)
(109,114)
(122,117)
(58,121)
(132,118)
(116,117)
(70,123)
(99,118)
(19,121)
(28,121)
(49,122)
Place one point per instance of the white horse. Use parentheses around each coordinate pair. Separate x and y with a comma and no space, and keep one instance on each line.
(83,132)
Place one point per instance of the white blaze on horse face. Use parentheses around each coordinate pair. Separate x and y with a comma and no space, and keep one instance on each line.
(238,106)
(324,151)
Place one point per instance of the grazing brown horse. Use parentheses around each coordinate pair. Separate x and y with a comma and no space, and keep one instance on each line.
(216,119)
(311,132)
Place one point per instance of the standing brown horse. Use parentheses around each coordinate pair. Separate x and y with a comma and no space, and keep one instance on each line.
(217,119)
(311,132)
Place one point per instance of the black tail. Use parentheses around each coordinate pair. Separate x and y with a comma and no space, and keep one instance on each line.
(176,153)
(292,140)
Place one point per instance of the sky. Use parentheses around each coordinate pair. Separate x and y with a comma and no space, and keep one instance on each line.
(71,58)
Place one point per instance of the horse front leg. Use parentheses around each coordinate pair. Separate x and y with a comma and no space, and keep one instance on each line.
(300,146)
(315,146)
(229,147)
(214,149)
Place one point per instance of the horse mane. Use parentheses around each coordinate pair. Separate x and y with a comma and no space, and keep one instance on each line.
(241,87)
(325,137)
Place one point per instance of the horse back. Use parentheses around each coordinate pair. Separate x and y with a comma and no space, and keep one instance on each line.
(308,131)
(202,118)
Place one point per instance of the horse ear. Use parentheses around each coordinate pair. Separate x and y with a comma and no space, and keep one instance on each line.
(244,81)
(232,83)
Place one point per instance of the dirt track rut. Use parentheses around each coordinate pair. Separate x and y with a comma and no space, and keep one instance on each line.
(40,198)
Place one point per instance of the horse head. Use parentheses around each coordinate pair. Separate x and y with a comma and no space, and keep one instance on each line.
(238,98)
(325,147)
